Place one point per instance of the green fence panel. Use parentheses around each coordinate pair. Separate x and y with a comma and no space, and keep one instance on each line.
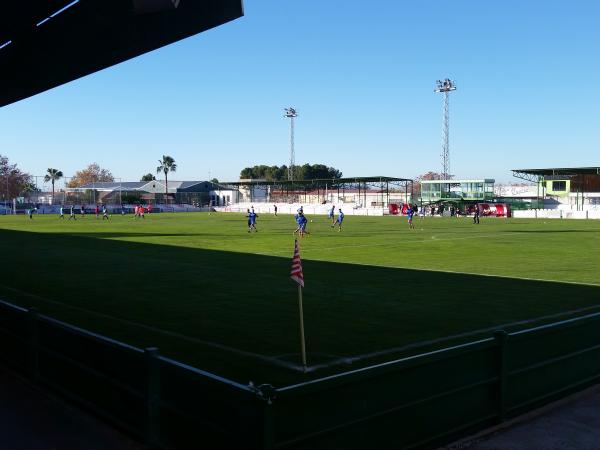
(118,361)
(200,410)
(13,337)
(104,375)
(13,319)
(414,402)
(405,403)
(13,351)
(551,341)
(552,360)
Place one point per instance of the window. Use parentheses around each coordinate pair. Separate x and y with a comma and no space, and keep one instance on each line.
(559,186)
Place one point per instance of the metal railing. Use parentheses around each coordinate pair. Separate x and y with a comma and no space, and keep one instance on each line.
(414,402)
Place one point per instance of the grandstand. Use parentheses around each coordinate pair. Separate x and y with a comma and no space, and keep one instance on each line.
(565,189)
(358,195)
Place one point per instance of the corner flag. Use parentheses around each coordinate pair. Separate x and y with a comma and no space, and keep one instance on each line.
(298,277)
(296,273)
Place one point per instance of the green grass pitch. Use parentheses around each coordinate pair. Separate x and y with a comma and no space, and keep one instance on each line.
(208,293)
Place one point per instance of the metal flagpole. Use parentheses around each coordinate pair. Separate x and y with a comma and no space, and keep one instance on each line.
(297,275)
(302,340)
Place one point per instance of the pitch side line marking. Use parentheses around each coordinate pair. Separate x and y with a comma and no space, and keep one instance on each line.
(268,359)
(387,244)
(352,359)
(509,277)
(582,283)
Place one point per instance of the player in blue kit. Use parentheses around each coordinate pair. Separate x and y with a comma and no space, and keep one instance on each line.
(410,212)
(252,216)
(299,218)
(339,221)
(331,214)
(303,222)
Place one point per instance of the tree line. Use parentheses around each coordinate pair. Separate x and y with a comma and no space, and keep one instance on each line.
(16,182)
(278,173)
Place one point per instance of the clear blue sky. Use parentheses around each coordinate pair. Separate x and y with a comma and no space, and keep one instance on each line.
(361,75)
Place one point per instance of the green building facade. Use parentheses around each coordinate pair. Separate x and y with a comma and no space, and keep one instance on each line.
(436,191)
(558,187)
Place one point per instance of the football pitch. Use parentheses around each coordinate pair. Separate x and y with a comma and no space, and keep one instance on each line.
(209,294)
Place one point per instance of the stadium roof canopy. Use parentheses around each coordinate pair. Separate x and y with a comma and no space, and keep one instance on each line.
(321,181)
(148,186)
(535,175)
(46,43)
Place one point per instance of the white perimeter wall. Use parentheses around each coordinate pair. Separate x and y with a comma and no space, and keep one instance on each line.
(556,214)
(287,208)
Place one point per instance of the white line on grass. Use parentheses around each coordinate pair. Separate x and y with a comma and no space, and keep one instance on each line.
(510,277)
(387,244)
(352,359)
(269,359)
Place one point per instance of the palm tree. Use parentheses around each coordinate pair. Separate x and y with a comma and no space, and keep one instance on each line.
(167,164)
(53,175)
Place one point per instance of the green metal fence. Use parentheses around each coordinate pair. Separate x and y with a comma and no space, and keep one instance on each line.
(167,404)
(415,402)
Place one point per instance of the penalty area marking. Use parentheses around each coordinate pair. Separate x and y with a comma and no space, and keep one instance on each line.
(269,359)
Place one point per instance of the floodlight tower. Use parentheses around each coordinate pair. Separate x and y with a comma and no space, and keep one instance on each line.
(445,87)
(291,114)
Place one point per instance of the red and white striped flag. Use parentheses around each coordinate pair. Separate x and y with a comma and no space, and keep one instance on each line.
(296,273)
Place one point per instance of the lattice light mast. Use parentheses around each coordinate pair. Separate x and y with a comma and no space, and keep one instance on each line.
(445,87)
(291,114)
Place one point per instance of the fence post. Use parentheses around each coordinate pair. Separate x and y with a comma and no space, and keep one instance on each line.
(33,366)
(501,339)
(268,394)
(152,397)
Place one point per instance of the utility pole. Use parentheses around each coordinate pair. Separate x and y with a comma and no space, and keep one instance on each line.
(291,114)
(445,86)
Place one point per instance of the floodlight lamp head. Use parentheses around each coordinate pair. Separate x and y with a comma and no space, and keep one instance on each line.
(290,112)
(445,85)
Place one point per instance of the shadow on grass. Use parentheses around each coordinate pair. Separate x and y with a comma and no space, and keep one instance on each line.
(550,231)
(247,302)
(113,235)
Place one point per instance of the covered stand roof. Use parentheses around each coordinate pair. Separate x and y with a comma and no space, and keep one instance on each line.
(46,43)
(148,186)
(535,175)
(322,182)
